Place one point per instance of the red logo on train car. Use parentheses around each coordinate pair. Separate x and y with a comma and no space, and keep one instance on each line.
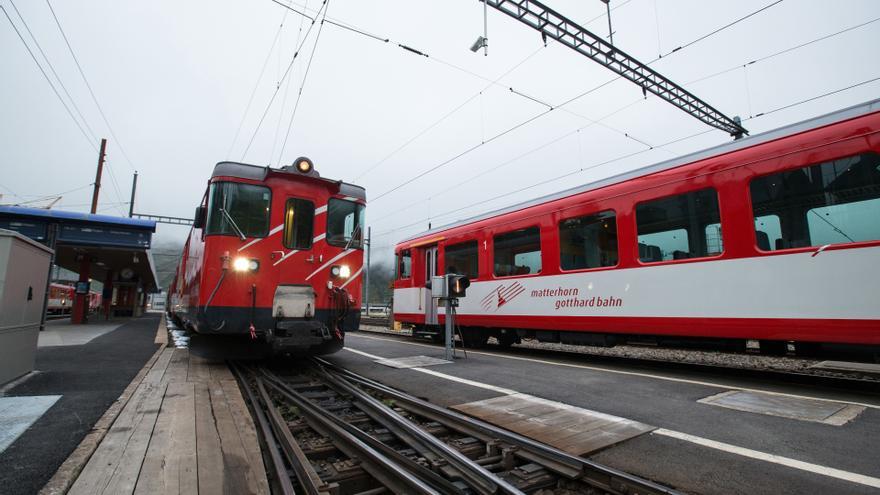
(501,296)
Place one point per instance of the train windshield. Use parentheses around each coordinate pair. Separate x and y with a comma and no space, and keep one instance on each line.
(238,209)
(345,223)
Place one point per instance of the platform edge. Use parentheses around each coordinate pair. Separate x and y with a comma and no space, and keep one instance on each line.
(71,468)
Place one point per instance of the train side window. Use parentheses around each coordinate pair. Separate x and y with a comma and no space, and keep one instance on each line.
(767,231)
(404,264)
(518,252)
(299,219)
(833,202)
(714,242)
(463,258)
(675,227)
(588,242)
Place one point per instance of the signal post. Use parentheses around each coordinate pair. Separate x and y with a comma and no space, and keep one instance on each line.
(448,289)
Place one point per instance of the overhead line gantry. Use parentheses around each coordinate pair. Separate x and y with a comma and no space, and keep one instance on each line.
(562,29)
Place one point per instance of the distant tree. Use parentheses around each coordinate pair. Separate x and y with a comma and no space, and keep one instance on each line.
(381,276)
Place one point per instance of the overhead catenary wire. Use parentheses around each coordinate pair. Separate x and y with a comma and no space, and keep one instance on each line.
(11,191)
(56,195)
(54,72)
(117,141)
(421,53)
(565,103)
(305,78)
(447,115)
(283,78)
(639,100)
(722,28)
(284,100)
(48,80)
(247,107)
(116,189)
(511,160)
(624,156)
(784,51)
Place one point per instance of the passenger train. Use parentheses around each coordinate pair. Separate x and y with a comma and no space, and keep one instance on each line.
(771,240)
(274,256)
(61,298)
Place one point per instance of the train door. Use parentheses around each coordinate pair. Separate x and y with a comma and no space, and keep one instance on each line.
(430,304)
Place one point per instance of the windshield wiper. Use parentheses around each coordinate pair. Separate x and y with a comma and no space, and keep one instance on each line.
(232,223)
(354,234)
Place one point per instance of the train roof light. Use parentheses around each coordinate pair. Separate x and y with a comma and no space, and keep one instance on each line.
(303,165)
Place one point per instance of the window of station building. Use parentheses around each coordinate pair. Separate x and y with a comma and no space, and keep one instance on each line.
(675,227)
(299,219)
(463,258)
(404,264)
(235,208)
(518,252)
(588,242)
(827,203)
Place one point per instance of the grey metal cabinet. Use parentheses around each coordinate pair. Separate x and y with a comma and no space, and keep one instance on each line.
(24,270)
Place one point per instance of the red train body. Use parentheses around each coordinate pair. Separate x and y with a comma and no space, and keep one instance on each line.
(773,238)
(276,255)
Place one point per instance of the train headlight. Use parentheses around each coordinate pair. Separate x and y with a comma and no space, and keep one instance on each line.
(340,271)
(242,264)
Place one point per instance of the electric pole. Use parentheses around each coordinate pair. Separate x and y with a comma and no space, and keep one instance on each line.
(134,185)
(98,176)
(367,274)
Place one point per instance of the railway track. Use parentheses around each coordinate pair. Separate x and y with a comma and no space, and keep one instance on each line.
(857,382)
(327,430)
(378,321)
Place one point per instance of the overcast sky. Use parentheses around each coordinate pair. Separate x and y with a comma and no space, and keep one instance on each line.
(174,79)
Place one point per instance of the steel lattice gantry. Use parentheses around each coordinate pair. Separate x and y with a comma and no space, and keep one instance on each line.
(164,219)
(556,26)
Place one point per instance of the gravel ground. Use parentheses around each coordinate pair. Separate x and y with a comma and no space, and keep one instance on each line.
(688,356)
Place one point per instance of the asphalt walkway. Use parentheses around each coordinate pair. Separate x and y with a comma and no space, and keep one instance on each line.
(88,378)
(699,446)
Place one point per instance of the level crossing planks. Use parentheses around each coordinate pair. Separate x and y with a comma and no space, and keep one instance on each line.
(572,429)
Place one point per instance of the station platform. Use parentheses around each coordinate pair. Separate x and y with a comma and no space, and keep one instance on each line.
(181,426)
(696,433)
(81,370)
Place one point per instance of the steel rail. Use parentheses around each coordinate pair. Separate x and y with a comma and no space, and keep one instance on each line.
(308,478)
(268,438)
(386,471)
(598,475)
(481,479)
(428,476)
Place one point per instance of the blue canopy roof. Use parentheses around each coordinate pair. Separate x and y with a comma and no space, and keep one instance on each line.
(59,215)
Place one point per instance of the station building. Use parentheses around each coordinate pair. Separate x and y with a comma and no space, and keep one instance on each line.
(114,251)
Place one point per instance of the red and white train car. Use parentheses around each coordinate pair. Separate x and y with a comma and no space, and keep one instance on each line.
(774,238)
(60,299)
(276,255)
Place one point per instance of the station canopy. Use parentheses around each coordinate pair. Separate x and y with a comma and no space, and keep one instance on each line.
(118,246)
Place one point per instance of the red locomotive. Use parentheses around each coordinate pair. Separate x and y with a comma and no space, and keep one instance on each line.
(275,255)
(773,238)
